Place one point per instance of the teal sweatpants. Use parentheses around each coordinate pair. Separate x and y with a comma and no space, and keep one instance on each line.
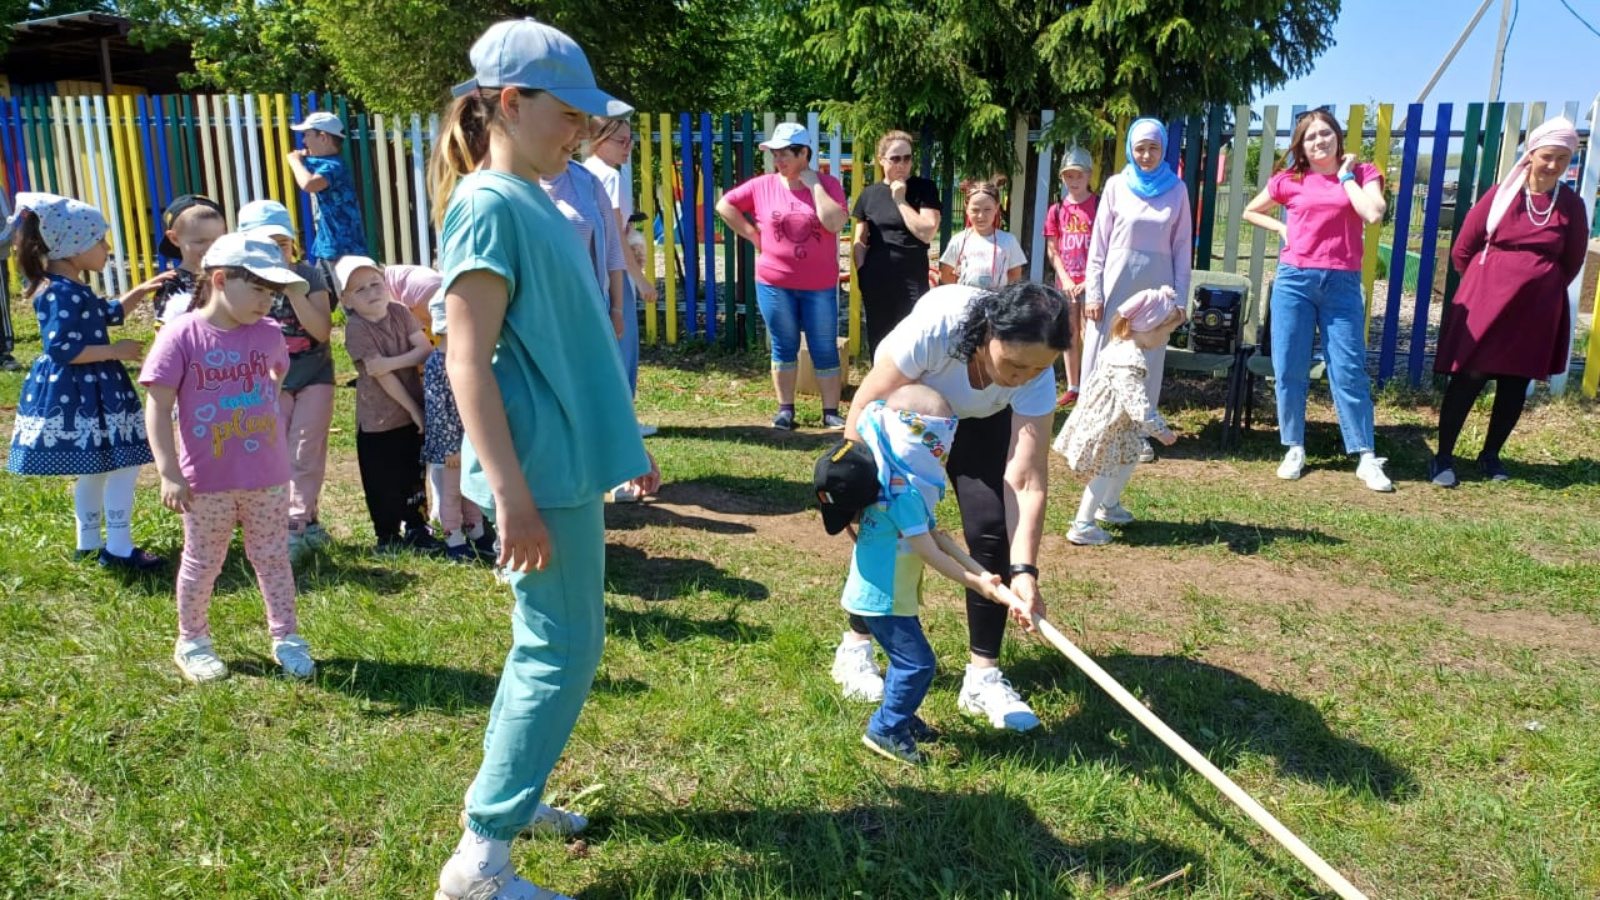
(557,633)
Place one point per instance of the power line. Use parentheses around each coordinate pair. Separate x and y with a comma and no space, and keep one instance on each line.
(1580,18)
(1515,9)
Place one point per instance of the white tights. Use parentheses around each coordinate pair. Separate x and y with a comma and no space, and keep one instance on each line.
(105,498)
(1104,490)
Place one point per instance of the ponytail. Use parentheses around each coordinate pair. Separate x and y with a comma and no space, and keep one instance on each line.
(462,145)
(33,255)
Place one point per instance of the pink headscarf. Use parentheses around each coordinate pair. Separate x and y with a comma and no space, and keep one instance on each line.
(1146,310)
(1557,132)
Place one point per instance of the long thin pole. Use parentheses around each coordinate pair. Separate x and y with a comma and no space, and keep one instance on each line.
(1499,51)
(1450,57)
(1171,738)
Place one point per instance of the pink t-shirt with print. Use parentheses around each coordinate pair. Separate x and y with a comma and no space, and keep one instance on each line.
(796,251)
(229,434)
(1324,229)
(1071,224)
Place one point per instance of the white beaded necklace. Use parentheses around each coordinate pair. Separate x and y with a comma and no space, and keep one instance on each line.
(1534,212)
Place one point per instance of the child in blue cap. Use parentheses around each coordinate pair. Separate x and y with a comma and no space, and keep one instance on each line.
(530,343)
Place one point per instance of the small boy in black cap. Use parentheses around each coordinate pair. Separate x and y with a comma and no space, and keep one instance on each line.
(894,478)
(189,226)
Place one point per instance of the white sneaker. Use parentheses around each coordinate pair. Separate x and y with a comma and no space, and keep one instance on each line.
(1294,463)
(1088,534)
(985,692)
(1370,470)
(547,819)
(294,654)
(625,493)
(856,672)
(646,430)
(1115,514)
(1148,454)
(198,662)
(505,884)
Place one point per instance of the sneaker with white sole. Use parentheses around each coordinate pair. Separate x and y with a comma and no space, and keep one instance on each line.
(505,884)
(1088,534)
(198,662)
(900,748)
(625,493)
(547,819)
(1370,471)
(294,654)
(855,671)
(1115,514)
(1148,454)
(985,692)
(1293,465)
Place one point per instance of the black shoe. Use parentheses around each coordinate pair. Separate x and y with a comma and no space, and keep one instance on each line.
(784,420)
(465,554)
(8,364)
(137,561)
(488,546)
(1492,469)
(420,541)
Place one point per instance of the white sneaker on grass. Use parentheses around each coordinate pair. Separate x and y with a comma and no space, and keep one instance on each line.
(985,692)
(855,671)
(1370,471)
(1115,514)
(198,662)
(294,654)
(1293,465)
(547,819)
(1147,454)
(1088,534)
(505,884)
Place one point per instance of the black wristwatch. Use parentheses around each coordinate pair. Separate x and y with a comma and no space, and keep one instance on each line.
(1024,569)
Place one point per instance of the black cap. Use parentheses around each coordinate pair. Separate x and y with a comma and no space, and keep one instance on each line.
(847,482)
(169,217)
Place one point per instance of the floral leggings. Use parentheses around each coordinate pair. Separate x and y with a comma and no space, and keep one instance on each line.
(207,531)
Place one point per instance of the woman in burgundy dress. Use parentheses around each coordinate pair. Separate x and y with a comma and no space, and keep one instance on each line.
(1518,249)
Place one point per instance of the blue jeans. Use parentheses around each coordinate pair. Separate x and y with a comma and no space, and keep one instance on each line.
(910,671)
(629,342)
(789,311)
(557,633)
(1304,301)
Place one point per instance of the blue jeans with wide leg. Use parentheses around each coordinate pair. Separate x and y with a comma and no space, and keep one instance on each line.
(1303,302)
(910,673)
(557,633)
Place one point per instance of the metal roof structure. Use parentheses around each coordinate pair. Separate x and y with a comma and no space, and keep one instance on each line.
(91,46)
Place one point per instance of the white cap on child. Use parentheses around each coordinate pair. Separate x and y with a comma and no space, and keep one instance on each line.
(523,53)
(256,255)
(347,266)
(325,122)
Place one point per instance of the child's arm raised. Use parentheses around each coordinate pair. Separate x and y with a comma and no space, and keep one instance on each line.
(313,312)
(175,490)
(392,386)
(309,181)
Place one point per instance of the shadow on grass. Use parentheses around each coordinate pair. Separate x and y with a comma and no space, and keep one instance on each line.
(803,438)
(751,495)
(631,516)
(1241,538)
(399,689)
(915,843)
(631,571)
(1225,715)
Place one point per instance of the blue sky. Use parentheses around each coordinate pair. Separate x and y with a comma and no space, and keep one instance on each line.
(1385,50)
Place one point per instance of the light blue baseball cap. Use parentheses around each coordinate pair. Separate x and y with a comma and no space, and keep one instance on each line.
(524,53)
(266,218)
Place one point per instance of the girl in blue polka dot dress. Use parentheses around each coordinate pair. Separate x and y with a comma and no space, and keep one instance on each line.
(79,413)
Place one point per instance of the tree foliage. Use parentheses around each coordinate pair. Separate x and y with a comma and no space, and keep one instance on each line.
(967,68)
(403,55)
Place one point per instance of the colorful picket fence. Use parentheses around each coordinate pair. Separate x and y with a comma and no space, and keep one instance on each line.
(131,154)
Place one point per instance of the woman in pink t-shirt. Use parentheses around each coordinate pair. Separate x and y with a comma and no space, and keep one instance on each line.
(798,214)
(1328,198)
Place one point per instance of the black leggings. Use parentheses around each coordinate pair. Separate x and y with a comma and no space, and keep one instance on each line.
(1510,396)
(977,470)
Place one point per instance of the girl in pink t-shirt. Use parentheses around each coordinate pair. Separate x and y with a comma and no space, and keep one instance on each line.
(221,366)
(1067,229)
(1328,198)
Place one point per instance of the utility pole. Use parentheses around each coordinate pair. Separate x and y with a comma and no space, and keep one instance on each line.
(1500,51)
(1450,57)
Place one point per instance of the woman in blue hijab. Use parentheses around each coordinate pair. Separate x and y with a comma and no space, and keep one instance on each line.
(1143,238)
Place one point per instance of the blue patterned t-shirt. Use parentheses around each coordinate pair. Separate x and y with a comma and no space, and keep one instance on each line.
(336,211)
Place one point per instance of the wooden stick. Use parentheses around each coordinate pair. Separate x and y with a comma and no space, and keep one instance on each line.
(1172,739)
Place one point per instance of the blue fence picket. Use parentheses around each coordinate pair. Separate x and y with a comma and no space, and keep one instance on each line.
(688,237)
(708,211)
(1430,231)
(1402,235)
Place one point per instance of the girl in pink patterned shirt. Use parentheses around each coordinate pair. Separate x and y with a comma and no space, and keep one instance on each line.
(221,367)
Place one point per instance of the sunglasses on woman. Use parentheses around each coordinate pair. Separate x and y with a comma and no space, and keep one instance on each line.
(898,159)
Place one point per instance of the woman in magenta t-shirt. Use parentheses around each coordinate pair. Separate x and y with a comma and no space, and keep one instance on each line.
(797,217)
(1328,197)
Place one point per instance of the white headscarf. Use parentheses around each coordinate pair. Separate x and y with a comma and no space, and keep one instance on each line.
(68,226)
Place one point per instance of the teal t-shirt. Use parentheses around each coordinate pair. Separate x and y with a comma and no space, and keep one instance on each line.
(557,363)
(885,573)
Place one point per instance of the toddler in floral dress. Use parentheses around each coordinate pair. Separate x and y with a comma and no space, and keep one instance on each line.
(1104,435)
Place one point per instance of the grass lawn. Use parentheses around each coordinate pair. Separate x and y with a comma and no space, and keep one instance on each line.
(1408,681)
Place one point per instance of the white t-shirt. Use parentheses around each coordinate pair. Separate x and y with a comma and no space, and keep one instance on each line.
(611,180)
(920,348)
(983,262)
